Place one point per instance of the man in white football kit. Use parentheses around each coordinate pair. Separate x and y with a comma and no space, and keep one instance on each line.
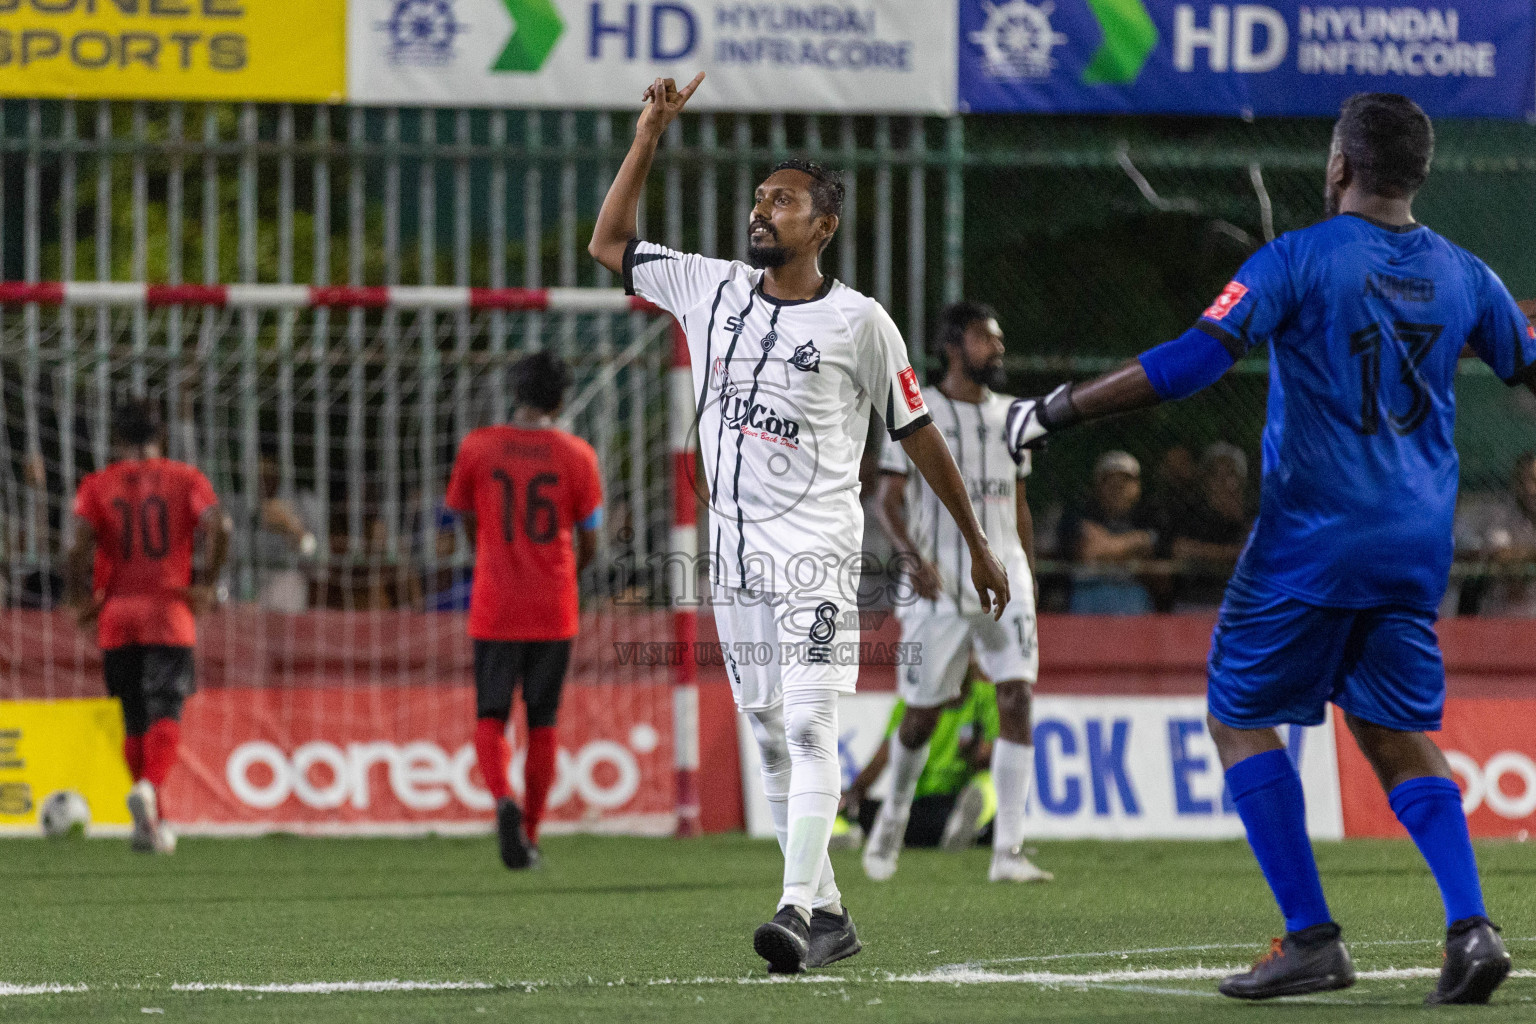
(787,367)
(941,614)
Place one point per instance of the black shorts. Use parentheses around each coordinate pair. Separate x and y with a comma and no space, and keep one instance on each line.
(540,666)
(152,681)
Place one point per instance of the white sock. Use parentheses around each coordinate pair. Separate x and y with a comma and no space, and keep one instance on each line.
(773,753)
(810,727)
(906,767)
(1012,766)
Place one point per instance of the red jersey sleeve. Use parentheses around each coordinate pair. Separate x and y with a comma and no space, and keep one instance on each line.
(88,502)
(461,483)
(200,496)
(589,491)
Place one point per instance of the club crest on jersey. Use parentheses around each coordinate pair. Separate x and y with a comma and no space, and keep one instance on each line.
(720,379)
(806,358)
(1230,296)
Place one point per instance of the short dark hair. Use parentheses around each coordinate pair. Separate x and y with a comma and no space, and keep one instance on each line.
(136,421)
(1388,141)
(827,189)
(957,317)
(540,379)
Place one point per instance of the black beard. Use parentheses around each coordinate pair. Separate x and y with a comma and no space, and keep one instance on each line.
(988,375)
(766,257)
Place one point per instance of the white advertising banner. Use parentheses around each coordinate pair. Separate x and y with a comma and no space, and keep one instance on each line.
(1107,768)
(890,56)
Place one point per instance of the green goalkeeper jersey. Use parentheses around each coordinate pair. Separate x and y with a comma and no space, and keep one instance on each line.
(959,728)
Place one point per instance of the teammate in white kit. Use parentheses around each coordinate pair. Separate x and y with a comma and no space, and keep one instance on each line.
(942,614)
(787,367)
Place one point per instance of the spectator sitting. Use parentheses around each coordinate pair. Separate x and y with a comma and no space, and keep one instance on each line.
(1111,531)
(1176,489)
(1499,529)
(1213,529)
(281,536)
(954,797)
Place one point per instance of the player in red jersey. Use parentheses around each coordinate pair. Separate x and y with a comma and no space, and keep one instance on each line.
(149,543)
(522,489)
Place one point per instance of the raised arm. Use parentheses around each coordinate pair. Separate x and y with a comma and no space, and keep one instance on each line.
(1183,366)
(616,220)
(928,452)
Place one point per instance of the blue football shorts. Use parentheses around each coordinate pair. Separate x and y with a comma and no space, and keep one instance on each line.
(1276,660)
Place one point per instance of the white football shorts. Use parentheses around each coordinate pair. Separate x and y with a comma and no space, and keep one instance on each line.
(772,643)
(1006,650)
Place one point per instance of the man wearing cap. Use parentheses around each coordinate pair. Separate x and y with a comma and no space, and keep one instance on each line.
(1111,531)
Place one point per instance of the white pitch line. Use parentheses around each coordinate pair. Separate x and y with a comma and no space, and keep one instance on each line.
(1136,980)
(307,988)
(1194,949)
(973,976)
(39,990)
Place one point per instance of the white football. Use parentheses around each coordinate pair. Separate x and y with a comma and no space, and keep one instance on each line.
(62,811)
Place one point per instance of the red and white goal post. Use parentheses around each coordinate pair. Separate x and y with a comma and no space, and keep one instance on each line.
(335,685)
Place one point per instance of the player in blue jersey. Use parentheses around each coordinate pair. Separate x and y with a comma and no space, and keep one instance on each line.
(1366,315)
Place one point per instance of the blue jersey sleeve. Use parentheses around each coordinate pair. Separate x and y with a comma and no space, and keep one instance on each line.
(1503,336)
(1256,304)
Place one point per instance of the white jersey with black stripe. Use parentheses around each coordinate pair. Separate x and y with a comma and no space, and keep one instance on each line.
(784,392)
(976,438)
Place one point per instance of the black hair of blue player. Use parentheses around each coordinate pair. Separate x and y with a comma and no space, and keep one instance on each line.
(137,421)
(540,381)
(1388,141)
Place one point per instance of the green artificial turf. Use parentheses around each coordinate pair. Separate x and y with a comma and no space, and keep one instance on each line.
(616,929)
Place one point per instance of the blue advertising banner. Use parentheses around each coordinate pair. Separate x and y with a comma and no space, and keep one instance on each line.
(1462,58)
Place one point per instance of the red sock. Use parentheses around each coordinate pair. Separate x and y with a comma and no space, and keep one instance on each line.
(160,749)
(133,753)
(538,777)
(495,755)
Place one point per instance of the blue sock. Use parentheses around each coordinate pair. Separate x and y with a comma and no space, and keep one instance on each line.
(1430,809)
(1267,792)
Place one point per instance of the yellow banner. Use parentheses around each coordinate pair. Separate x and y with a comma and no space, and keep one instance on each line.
(174,49)
(51,745)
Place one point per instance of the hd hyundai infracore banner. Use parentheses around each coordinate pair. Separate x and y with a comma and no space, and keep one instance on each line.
(1462,58)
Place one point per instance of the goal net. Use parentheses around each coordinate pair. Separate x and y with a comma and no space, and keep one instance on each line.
(336,685)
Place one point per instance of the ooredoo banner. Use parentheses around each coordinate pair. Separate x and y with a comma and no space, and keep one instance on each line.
(892,56)
(174,49)
(342,761)
(1491,747)
(1108,768)
(1457,58)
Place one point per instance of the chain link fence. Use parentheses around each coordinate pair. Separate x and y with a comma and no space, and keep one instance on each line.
(1097,238)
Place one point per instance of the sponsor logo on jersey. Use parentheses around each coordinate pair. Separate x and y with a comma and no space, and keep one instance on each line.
(758,420)
(991,487)
(1402,289)
(806,358)
(735,325)
(1230,296)
(910,389)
